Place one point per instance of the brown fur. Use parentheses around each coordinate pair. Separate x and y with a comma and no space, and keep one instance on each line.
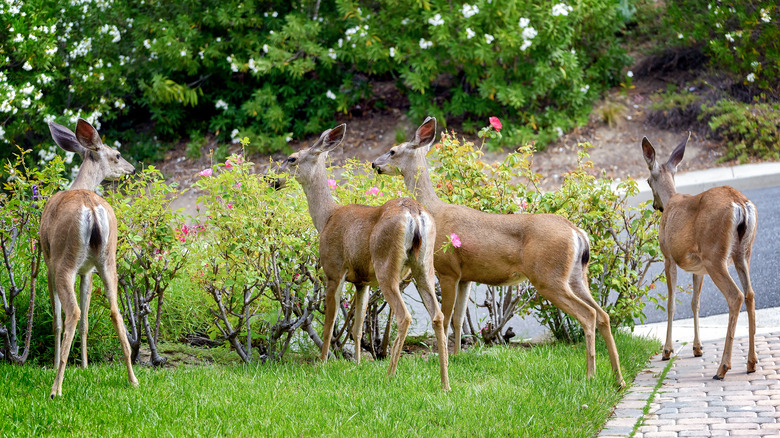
(546,249)
(703,234)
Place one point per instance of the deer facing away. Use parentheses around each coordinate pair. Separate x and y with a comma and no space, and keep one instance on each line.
(368,246)
(546,249)
(703,234)
(78,235)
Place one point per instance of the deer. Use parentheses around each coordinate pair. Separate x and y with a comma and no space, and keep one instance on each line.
(703,234)
(369,246)
(78,236)
(500,250)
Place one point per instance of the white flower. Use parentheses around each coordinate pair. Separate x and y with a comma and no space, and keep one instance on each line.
(469,33)
(265,47)
(332,53)
(679,36)
(330,95)
(117,144)
(27,66)
(2,133)
(765,16)
(469,10)
(559,131)
(754,64)
(489,38)
(221,104)
(288,139)
(729,37)
(561,9)
(751,77)
(524,22)
(436,20)
(392,52)
(234,135)
(529,33)
(19,38)
(630,74)
(183,53)
(585,88)
(425,44)
(147,44)
(526,44)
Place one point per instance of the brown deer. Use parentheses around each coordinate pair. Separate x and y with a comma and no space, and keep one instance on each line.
(501,249)
(703,234)
(78,236)
(368,246)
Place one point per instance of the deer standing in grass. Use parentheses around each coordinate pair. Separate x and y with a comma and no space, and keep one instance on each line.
(78,236)
(703,234)
(368,246)
(503,249)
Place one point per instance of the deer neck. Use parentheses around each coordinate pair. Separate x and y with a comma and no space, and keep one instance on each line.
(667,192)
(418,181)
(88,177)
(318,196)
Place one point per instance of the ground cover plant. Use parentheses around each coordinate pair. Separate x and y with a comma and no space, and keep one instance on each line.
(532,392)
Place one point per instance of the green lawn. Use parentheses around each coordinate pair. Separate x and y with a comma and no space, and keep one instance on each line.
(497,391)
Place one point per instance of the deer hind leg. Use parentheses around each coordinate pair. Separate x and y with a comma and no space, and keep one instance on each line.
(332,297)
(459,314)
(56,316)
(449,293)
(388,283)
(85,289)
(361,302)
(743,270)
(108,275)
(425,285)
(67,299)
(671,284)
(565,299)
(734,297)
(581,288)
(695,299)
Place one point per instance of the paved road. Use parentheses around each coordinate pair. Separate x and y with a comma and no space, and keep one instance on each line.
(764,266)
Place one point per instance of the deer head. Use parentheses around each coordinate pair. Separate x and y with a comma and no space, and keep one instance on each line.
(100,162)
(307,163)
(403,158)
(662,175)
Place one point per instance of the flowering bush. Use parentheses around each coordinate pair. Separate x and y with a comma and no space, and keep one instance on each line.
(276,70)
(738,36)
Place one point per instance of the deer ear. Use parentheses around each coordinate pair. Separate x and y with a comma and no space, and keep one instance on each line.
(677,154)
(65,138)
(87,135)
(648,151)
(426,134)
(332,138)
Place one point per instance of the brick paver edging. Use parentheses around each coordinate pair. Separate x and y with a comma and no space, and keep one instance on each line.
(690,403)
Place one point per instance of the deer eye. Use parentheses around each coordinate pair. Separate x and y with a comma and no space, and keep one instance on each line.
(392,152)
(291,160)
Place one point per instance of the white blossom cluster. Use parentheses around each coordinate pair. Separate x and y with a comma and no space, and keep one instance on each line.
(528,33)
(561,9)
(424,44)
(765,16)
(436,20)
(11,7)
(469,11)
(221,104)
(112,30)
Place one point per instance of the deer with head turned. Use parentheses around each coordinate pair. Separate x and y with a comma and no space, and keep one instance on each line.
(369,246)
(704,234)
(501,249)
(78,236)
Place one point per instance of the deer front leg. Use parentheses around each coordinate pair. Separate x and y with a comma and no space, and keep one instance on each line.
(695,299)
(734,297)
(67,299)
(361,302)
(459,314)
(449,288)
(332,296)
(671,283)
(85,292)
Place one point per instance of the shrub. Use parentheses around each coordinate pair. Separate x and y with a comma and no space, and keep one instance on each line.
(740,37)
(749,130)
(276,70)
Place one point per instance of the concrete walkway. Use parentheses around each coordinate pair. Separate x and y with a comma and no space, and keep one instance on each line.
(682,399)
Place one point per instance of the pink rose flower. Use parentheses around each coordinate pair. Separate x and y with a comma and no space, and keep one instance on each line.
(495,123)
(230,206)
(455,240)
(331,183)
(205,173)
(373,191)
(524,204)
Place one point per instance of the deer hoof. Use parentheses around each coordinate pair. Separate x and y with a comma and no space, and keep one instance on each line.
(722,372)
(697,352)
(751,367)
(621,384)
(667,354)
